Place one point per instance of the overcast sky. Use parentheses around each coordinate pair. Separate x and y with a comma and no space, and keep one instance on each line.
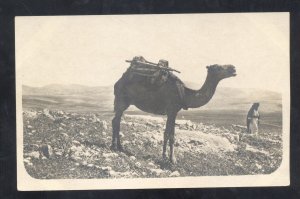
(91,50)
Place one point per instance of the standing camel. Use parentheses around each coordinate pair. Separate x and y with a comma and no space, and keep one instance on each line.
(163,100)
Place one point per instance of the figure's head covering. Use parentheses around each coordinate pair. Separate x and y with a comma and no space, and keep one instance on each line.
(255,105)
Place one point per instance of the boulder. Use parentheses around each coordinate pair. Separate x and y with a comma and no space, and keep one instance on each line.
(34,154)
(156,172)
(132,158)
(174,174)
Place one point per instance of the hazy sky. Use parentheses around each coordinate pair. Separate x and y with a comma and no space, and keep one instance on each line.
(91,50)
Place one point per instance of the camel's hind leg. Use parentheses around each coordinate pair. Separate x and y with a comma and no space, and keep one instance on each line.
(120,106)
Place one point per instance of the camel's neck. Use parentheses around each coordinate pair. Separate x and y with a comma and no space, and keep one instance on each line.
(198,98)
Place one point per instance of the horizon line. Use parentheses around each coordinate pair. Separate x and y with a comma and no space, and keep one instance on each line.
(84,85)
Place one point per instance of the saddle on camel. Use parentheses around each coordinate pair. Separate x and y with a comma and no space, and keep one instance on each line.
(155,75)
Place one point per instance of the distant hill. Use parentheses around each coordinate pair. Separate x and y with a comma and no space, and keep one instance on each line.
(79,97)
(71,89)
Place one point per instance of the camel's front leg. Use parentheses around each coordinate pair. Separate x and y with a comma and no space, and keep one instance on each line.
(169,136)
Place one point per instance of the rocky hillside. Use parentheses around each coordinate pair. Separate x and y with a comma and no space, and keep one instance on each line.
(59,144)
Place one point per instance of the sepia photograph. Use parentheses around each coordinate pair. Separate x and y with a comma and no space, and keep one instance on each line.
(152,101)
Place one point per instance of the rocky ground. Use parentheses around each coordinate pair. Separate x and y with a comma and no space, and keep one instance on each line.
(60,145)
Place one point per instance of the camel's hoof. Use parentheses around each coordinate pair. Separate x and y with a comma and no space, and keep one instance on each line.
(113,148)
(120,148)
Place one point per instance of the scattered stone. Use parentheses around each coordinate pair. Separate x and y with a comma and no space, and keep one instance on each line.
(65,135)
(132,158)
(34,154)
(77,164)
(29,126)
(106,168)
(72,169)
(76,158)
(104,125)
(258,166)
(156,172)
(76,143)
(126,142)
(62,124)
(58,153)
(113,173)
(138,164)
(26,161)
(33,131)
(195,142)
(46,112)
(84,163)
(60,113)
(151,164)
(31,114)
(110,155)
(29,163)
(194,126)
(82,118)
(174,174)
(90,165)
(121,134)
(104,133)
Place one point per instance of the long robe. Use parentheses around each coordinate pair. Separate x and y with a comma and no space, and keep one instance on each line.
(253,122)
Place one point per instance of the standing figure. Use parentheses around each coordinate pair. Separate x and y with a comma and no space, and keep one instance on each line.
(253,119)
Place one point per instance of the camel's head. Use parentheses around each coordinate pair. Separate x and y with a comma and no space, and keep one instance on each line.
(221,71)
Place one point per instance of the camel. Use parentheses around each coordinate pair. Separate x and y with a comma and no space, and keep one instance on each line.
(163,100)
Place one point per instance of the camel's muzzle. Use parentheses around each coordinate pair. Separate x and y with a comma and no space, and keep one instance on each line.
(232,70)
